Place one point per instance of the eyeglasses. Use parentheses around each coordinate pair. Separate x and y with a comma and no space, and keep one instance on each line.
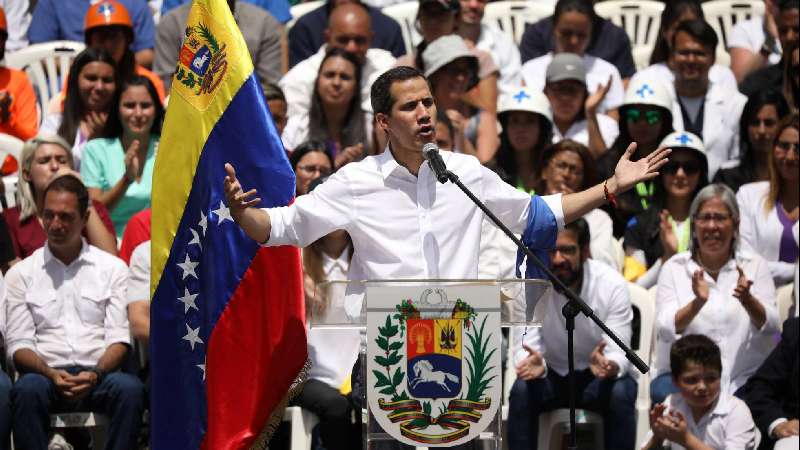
(652,117)
(322,170)
(787,146)
(690,167)
(709,217)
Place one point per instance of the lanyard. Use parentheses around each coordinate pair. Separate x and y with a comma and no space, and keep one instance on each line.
(645,191)
(683,238)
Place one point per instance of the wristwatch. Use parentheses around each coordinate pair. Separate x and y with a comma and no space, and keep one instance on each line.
(99,372)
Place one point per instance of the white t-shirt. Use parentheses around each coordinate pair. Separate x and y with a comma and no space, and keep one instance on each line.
(750,35)
(505,55)
(579,131)
(692,105)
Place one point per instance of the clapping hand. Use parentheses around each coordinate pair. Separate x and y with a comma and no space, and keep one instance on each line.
(95,122)
(601,366)
(700,285)
(237,199)
(132,161)
(673,427)
(742,289)
(787,429)
(667,234)
(532,366)
(594,101)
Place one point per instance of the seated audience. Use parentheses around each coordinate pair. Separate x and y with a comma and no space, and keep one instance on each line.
(606,41)
(772,392)
(760,118)
(261,32)
(572,29)
(754,43)
(52,21)
(118,168)
(88,100)
(279,9)
(575,112)
(68,352)
(307,34)
(700,414)
(715,290)
(527,122)
(335,118)
(490,39)
(276,102)
(653,236)
(540,353)
(349,28)
(645,118)
(707,110)
(310,160)
(18,115)
(770,210)
(788,23)
(41,159)
(675,12)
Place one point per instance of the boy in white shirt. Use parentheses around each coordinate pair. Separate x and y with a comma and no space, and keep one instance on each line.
(697,417)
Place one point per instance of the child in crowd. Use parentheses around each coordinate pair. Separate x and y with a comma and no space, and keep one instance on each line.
(697,417)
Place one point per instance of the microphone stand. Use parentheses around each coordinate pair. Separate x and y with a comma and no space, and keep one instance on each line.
(574,306)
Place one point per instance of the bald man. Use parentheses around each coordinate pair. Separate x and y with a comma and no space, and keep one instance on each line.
(349,28)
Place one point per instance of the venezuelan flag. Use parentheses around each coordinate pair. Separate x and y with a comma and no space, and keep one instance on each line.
(227,336)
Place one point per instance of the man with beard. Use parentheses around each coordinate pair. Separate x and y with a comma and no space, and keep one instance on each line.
(602,380)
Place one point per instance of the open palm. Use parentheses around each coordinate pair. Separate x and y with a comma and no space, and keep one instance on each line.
(628,173)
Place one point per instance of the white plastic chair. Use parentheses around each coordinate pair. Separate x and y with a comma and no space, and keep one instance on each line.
(785,300)
(722,15)
(97,424)
(645,302)
(512,16)
(46,65)
(302,8)
(639,18)
(406,15)
(9,145)
(302,422)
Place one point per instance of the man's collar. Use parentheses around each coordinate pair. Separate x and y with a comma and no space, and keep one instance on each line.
(49,257)
(386,162)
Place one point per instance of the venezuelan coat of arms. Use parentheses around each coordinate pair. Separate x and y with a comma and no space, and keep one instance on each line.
(433,355)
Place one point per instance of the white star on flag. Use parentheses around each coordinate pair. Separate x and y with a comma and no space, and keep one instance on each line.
(223,213)
(195,239)
(192,336)
(203,368)
(188,301)
(188,267)
(203,222)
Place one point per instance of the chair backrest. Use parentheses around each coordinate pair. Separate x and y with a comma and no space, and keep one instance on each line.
(406,15)
(512,16)
(722,15)
(785,300)
(639,18)
(302,8)
(47,66)
(645,302)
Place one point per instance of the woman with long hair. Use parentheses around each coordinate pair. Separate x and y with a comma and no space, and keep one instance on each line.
(662,230)
(335,117)
(88,100)
(770,211)
(757,128)
(42,159)
(118,168)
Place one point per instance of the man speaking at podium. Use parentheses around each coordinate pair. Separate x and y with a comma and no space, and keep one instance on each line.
(405,225)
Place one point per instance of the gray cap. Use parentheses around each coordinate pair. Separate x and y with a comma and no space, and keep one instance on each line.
(566,66)
(445,50)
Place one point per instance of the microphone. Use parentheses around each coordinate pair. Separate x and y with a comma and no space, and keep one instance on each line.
(431,153)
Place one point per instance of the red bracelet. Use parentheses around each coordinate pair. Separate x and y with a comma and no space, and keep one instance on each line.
(610,198)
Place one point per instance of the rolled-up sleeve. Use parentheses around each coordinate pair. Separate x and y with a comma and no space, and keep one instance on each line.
(117,329)
(20,328)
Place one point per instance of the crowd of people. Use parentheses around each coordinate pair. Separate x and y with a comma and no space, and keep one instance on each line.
(714,235)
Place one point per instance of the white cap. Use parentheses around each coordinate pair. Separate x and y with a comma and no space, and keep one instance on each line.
(684,139)
(525,99)
(650,92)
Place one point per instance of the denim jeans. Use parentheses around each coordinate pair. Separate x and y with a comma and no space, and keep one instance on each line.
(34,398)
(614,399)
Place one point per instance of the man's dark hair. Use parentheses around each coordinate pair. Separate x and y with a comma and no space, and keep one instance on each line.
(694,348)
(581,228)
(786,5)
(380,94)
(699,30)
(70,183)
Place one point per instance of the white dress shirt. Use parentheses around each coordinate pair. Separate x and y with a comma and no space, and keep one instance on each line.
(728,426)
(579,131)
(761,231)
(298,83)
(598,71)
(749,35)
(297,129)
(605,291)
(139,273)
(723,319)
(68,314)
(404,226)
(505,54)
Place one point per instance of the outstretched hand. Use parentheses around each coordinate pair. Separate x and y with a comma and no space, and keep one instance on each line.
(628,173)
(237,199)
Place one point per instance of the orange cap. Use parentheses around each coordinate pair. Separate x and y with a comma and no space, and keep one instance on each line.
(3,23)
(107,13)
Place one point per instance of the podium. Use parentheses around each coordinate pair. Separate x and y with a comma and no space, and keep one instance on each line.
(430,362)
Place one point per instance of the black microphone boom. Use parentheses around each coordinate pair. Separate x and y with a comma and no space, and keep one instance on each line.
(431,153)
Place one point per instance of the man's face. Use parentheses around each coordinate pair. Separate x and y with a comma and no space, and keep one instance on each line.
(472,11)
(566,260)
(350,31)
(692,60)
(113,39)
(410,122)
(62,219)
(788,27)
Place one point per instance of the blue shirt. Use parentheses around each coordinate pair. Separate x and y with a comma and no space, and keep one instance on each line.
(55,20)
(278,8)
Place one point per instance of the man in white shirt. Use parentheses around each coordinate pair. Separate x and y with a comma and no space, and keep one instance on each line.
(349,28)
(489,38)
(67,329)
(708,110)
(540,354)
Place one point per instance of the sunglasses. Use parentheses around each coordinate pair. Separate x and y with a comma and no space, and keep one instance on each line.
(652,117)
(690,167)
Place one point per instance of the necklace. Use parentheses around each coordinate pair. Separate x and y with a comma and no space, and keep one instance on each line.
(703,266)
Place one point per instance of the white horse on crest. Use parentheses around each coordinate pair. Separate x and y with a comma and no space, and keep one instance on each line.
(424,373)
